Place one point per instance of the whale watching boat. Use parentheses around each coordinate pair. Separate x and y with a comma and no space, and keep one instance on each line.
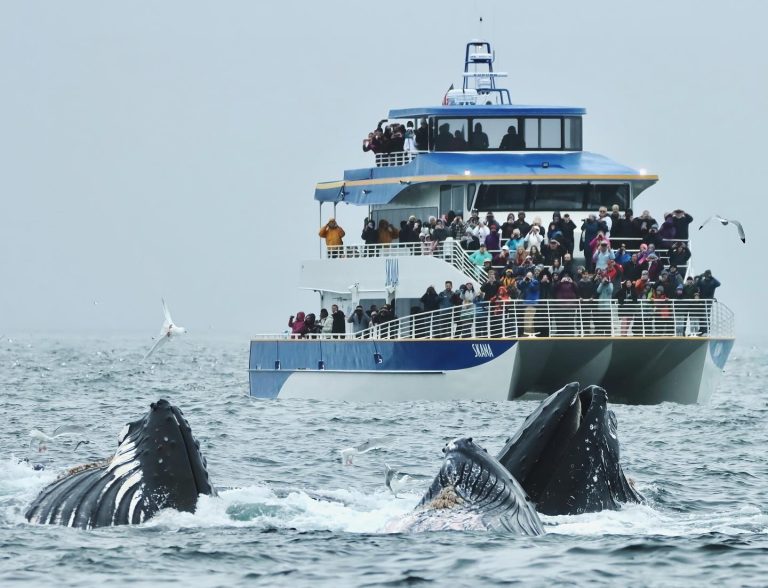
(479,153)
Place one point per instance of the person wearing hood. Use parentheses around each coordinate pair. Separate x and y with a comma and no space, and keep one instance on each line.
(296,325)
(501,308)
(334,237)
(534,238)
(481,231)
(493,241)
(387,233)
(667,230)
(370,235)
(430,300)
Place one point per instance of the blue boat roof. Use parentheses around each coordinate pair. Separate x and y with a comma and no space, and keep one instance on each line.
(379,185)
(480,110)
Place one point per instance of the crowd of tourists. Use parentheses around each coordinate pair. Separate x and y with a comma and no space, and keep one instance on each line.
(334,324)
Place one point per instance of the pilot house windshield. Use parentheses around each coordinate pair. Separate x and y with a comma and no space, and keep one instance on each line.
(507,134)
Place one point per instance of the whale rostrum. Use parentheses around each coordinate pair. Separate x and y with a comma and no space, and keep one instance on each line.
(157,465)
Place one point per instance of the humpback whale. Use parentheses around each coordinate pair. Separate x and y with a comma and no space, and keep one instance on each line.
(473,491)
(566,454)
(158,464)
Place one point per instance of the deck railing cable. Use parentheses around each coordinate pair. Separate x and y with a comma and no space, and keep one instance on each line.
(557,318)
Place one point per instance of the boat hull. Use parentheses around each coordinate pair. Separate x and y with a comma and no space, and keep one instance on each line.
(645,370)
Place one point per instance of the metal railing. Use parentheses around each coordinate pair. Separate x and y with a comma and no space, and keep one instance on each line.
(557,318)
(564,318)
(396,158)
(449,251)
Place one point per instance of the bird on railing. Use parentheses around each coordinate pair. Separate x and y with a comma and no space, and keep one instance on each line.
(726,221)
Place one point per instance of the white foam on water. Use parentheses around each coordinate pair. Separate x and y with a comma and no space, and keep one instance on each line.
(640,520)
(337,510)
(19,485)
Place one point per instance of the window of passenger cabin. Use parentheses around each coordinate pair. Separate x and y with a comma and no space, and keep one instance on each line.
(452,198)
(451,134)
(502,197)
(609,194)
(560,196)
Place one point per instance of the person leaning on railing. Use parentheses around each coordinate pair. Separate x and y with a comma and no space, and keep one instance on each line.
(567,295)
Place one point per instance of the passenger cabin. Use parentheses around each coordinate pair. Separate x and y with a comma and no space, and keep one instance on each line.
(479,151)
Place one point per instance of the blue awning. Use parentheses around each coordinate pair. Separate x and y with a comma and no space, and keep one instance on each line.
(379,185)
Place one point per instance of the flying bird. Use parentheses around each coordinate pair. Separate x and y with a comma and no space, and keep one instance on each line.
(167,332)
(42,439)
(348,454)
(396,480)
(724,222)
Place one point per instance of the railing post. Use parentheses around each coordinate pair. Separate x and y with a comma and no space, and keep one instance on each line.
(549,319)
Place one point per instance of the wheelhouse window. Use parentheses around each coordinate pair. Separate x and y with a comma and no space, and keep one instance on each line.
(451,134)
(507,133)
(572,133)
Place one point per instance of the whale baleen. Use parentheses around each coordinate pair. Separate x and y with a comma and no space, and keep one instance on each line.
(566,454)
(473,491)
(158,464)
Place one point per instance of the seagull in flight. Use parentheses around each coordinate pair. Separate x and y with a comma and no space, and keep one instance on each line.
(348,454)
(395,480)
(168,331)
(726,221)
(42,439)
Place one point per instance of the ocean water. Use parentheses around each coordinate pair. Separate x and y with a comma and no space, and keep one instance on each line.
(291,514)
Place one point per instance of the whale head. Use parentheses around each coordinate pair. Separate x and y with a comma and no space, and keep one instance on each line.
(566,454)
(161,446)
(158,464)
(473,491)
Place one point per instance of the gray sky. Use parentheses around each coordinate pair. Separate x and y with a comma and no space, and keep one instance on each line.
(171,149)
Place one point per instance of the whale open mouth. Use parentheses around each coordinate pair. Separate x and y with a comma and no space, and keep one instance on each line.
(548,435)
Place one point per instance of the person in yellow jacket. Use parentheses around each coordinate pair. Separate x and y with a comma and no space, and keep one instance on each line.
(387,232)
(334,237)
